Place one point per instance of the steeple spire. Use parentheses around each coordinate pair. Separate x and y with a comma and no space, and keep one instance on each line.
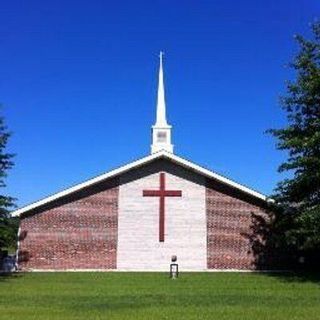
(161,131)
(161,102)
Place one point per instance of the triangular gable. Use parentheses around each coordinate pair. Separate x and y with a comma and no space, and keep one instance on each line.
(136,164)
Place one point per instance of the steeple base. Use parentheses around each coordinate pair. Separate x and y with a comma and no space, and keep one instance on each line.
(161,139)
(158,148)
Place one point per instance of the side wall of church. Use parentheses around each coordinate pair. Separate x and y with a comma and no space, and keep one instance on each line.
(80,233)
(230,230)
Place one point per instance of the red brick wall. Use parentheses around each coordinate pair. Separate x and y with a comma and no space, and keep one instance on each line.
(78,233)
(229,230)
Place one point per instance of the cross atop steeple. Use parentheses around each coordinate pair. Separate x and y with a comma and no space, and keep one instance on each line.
(161,131)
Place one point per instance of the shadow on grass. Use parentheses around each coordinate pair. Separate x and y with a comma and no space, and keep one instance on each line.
(6,276)
(296,276)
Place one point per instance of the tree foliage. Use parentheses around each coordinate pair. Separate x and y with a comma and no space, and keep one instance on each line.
(8,225)
(298,198)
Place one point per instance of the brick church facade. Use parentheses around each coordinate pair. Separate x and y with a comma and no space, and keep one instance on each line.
(136,217)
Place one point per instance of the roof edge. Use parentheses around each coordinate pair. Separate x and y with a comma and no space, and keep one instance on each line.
(110,174)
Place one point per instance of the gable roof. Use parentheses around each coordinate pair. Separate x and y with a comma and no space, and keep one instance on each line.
(135,164)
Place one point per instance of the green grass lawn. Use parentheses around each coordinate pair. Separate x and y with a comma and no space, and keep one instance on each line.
(154,296)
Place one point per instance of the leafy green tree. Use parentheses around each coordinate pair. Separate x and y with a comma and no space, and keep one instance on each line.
(297,221)
(8,225)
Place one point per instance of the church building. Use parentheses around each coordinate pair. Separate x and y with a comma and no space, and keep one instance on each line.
(136,217)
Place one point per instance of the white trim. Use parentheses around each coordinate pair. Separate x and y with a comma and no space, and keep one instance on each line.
(154,271)
(67,270)
(134,164)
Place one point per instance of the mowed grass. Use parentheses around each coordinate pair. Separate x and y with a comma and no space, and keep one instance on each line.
(155,296)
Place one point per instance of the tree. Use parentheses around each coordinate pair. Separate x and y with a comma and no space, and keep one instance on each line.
(298,198)
(8,225)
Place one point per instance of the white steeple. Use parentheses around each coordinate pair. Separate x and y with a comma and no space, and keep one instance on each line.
(161,131)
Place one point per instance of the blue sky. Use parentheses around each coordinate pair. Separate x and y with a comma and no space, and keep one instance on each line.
(78,85)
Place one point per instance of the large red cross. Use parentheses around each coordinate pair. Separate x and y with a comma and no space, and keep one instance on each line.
(162,194)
